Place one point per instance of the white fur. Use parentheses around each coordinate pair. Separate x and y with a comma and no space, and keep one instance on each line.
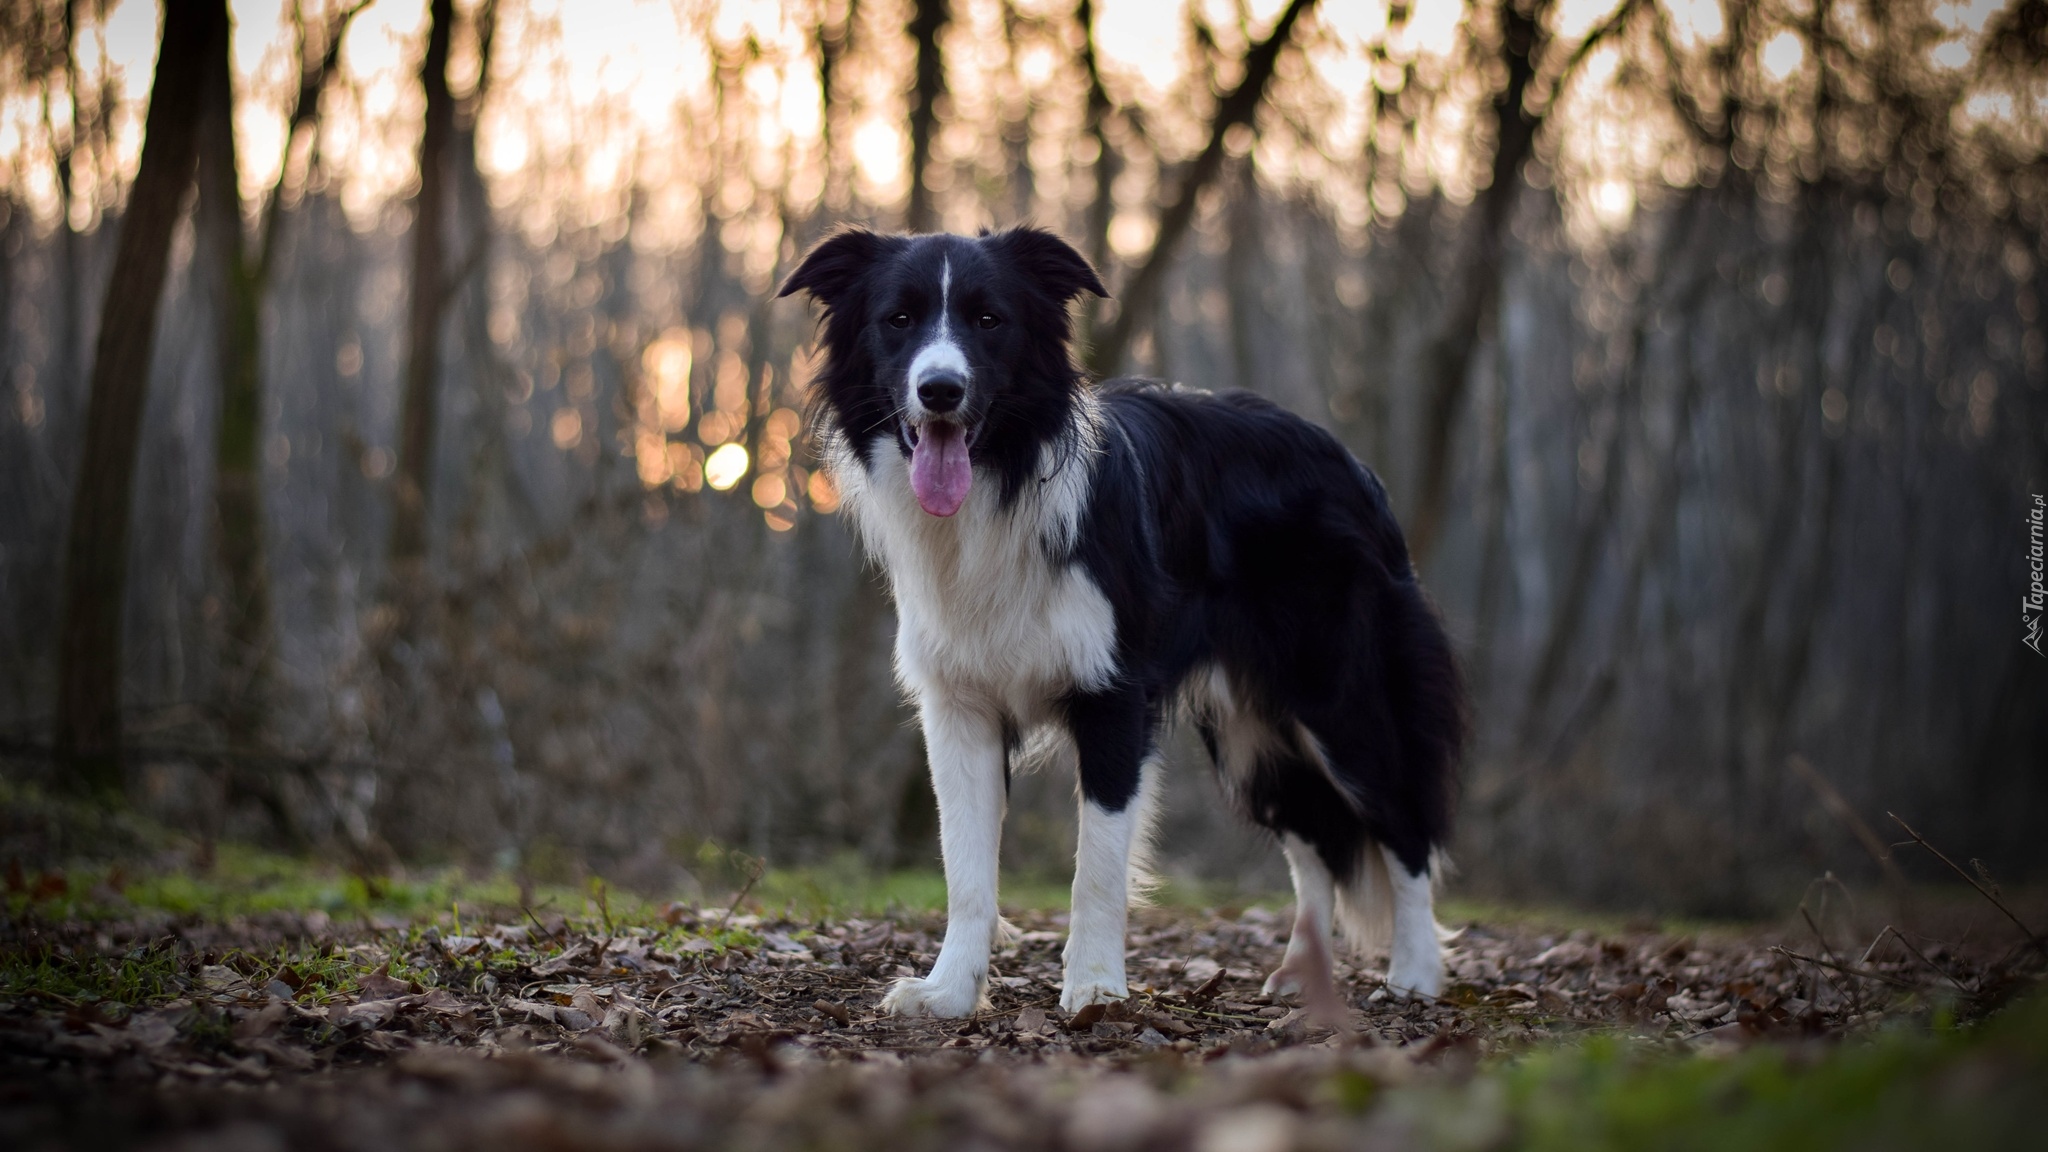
(1108,872)
(1315,897)
(1242,738)
(988,625)
(982,610)
(966,749)
(1415,963)
(940,353)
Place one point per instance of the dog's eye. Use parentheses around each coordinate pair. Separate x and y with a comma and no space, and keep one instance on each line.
(989,320)
(899,320)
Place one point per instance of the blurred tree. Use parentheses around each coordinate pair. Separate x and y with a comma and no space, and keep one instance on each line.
(243,690)
(928,19)
(407,559)
(1102,200)
(88,729)
(487,464)
(38,46)
(833,35)
(1475,279)
(1240,106)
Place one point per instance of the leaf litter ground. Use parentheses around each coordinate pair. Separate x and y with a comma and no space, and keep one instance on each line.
(693,1027)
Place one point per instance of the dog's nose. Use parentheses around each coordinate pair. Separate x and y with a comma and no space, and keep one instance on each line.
(941,392)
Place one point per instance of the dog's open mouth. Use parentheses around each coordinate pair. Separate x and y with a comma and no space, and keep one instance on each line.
(940,470)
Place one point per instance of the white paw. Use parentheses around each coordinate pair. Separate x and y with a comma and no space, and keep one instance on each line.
(1417,979)
(1281,983)
(1078,994)
(912,996)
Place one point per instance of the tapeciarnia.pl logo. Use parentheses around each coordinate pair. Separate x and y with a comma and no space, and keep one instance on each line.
(2037,595)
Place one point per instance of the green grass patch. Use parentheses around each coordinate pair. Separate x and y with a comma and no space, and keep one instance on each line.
(1909,1086)
(144,975)
(847,888)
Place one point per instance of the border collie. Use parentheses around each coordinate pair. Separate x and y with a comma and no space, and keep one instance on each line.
(1076,561)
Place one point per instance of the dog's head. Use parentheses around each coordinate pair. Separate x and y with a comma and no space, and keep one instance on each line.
(948,349)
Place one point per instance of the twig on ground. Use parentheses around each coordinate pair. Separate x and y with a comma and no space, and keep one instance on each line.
(1880,977)
(2039,946)
(528,913)
(1901,938)
(754,870)
(1854,994)
(1839,807)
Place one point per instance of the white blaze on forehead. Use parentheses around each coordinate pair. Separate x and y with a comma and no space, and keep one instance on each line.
(940,353)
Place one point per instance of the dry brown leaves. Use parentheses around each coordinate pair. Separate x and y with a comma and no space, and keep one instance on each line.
(524,1027)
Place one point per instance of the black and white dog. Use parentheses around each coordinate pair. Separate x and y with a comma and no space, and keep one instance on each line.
(1077,560)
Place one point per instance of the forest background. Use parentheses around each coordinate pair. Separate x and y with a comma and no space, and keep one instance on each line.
(456,504)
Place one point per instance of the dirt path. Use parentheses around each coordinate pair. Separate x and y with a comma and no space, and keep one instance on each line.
(698,1030)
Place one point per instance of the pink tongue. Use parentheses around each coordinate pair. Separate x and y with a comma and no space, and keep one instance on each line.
(939,470)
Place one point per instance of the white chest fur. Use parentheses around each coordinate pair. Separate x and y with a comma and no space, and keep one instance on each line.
(984,613)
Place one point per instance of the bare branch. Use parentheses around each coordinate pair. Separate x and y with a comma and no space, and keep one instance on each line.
(1237,108)
(1880,977)
(1838,806)
(1972,881)
(305,108)
(1921,956)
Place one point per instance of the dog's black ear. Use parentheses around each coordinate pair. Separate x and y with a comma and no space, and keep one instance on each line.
(835,264)
(1050,261)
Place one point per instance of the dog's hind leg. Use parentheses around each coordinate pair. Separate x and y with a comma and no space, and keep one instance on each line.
(1306,969)
(1415,959)
(966,752)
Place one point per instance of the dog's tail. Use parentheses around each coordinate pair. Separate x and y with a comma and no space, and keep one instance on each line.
(1365,901)
(1425,698)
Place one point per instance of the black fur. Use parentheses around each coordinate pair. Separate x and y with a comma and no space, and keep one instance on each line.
(1222,530)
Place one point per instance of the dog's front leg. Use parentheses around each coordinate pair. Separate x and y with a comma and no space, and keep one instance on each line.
(966,753)
(1113,735)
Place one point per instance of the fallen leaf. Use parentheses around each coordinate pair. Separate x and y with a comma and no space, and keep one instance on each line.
(567,961)
(1087,1017)
(600,1047)
(379,986)
(534,1009)
(216,978)
(155,1029)
(260,1023)
(281,1054)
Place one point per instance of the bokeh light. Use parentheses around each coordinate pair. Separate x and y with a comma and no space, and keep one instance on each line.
(726,466)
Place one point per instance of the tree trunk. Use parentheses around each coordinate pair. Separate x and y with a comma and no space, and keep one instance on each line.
(1238,107)
(834,40)
(88,728)
(926,21)
(1101,205)
(63,392)
(1017,130)
(1448,358)
(429,299)
(1243,277)
(243,688)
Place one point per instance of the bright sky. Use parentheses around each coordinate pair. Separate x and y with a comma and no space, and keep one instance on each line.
(632,64)
(591,97)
